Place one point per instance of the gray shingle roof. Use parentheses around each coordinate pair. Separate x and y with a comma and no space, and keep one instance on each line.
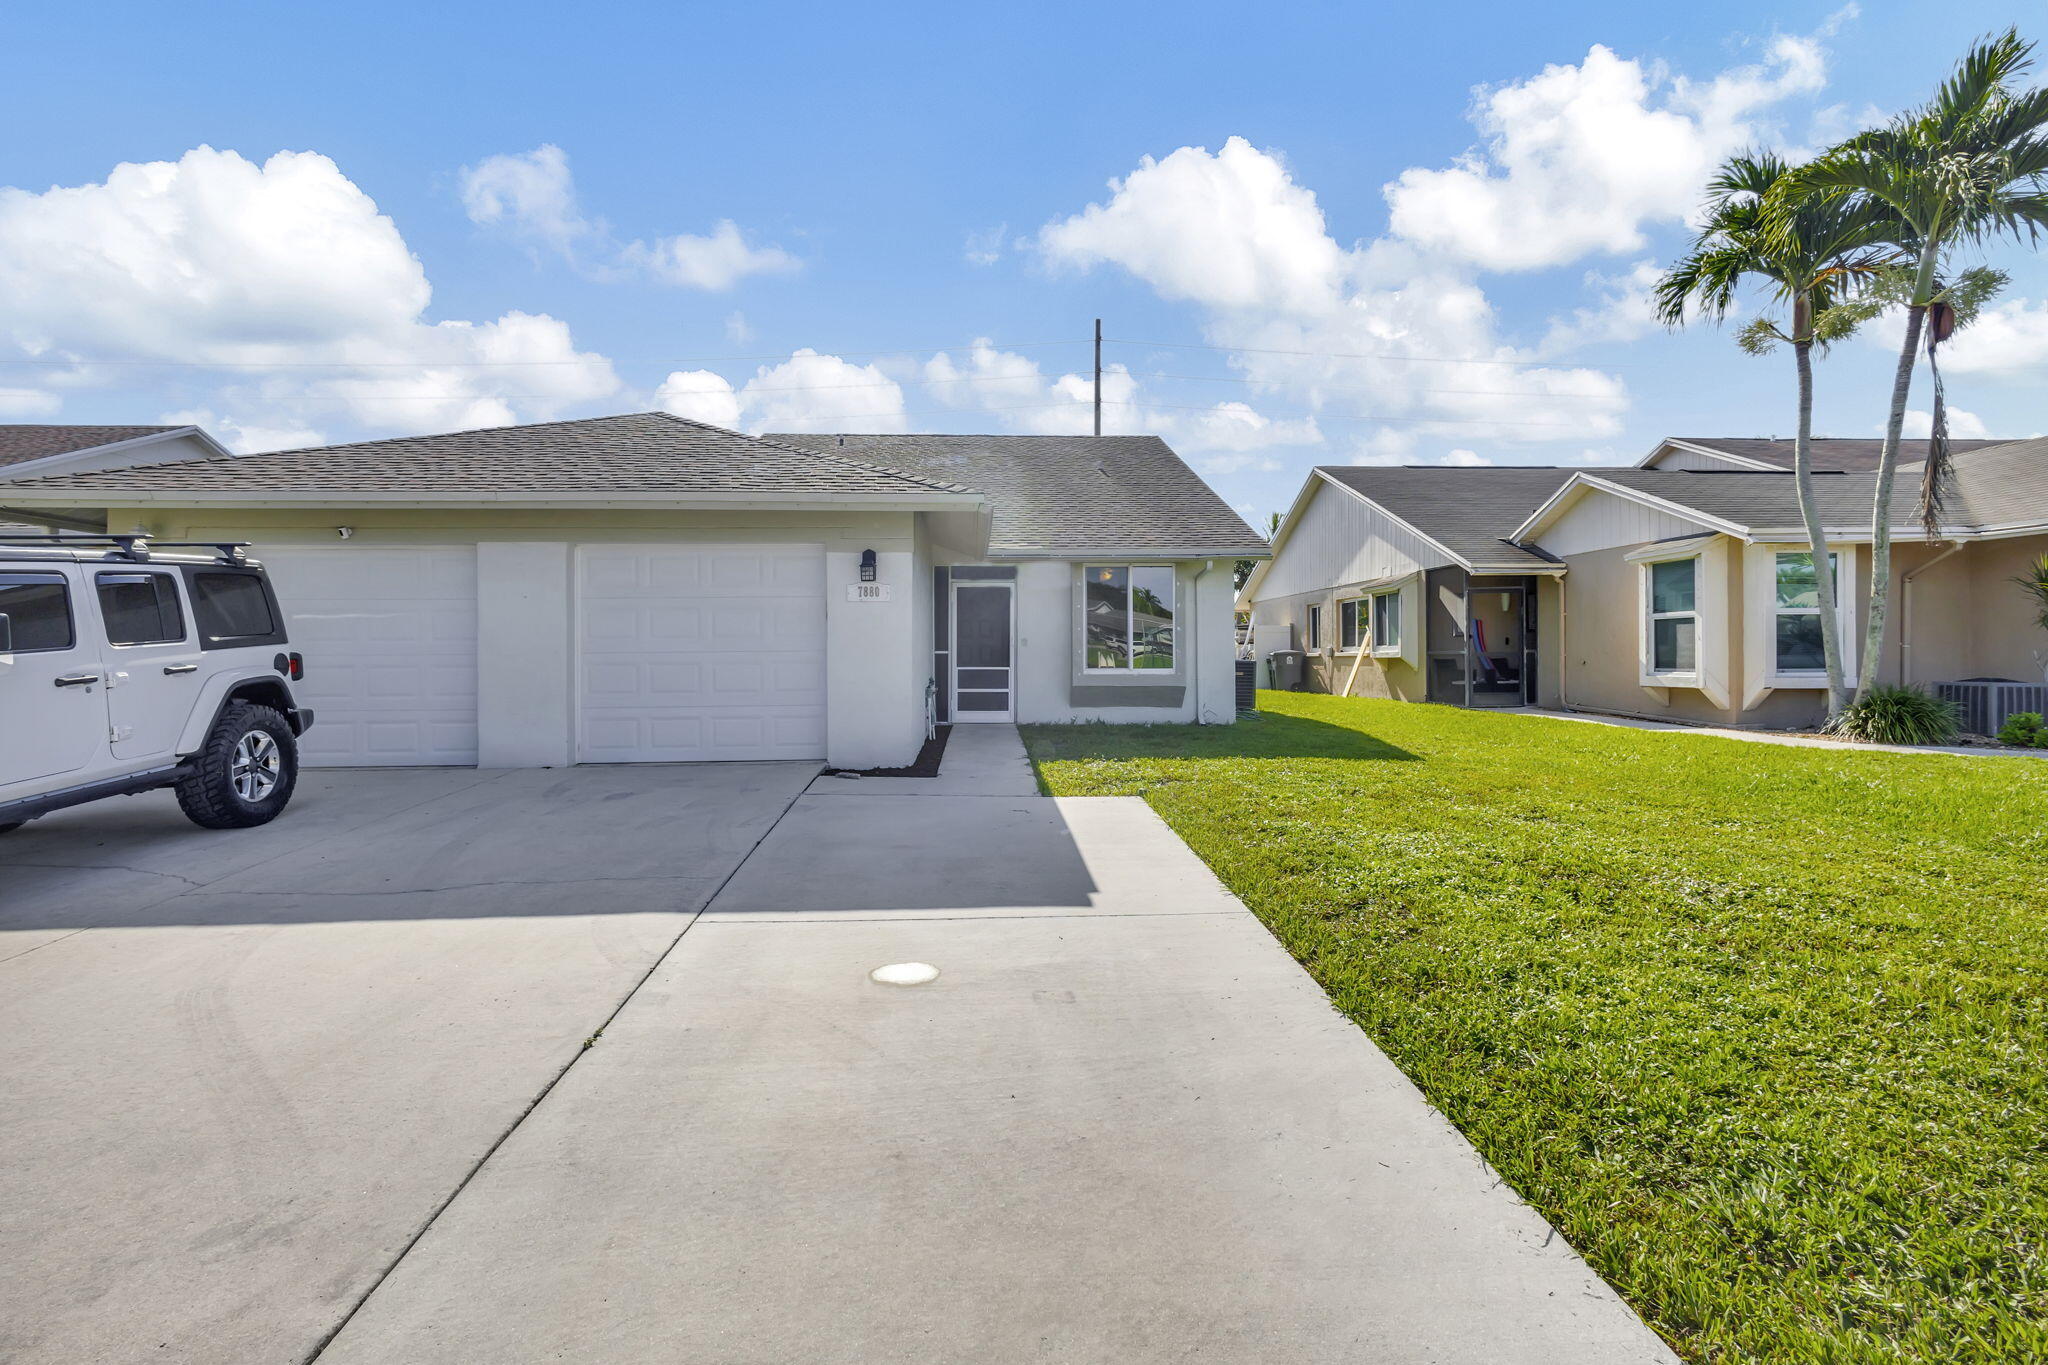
(1052,493)
(1998,486)
(1996,483)
(1842,454)
(32,441)
(1753,498)
(647,452)
(1469,511)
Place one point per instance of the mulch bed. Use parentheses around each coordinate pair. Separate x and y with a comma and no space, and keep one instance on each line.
(927,764)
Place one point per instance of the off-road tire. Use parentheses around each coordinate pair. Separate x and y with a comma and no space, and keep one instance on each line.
(209,797)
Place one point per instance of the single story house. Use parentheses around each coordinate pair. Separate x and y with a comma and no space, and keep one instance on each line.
(645,588)
(1678,589)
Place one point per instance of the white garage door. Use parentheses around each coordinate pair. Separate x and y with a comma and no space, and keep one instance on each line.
(701,652)
(389,636)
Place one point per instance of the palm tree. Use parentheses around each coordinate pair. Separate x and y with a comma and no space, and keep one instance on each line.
(1969,165)
(1820,260)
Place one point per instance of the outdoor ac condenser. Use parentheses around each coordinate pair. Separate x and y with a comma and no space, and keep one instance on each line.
(1987,703)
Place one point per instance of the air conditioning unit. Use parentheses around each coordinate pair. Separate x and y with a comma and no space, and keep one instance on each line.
(1987,703)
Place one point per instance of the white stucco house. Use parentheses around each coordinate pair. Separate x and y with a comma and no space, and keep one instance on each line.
(644,588)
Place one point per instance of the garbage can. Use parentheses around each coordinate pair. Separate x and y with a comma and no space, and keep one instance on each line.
(1283,670)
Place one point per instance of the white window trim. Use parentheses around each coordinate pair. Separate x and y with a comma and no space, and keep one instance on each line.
(1760,644)
(1312,629)
(1653,676)
(1712,635)
(1364,625)
(1382,649)
(1128,669)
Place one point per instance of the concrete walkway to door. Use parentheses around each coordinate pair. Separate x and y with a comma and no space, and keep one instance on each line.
(1121,1125)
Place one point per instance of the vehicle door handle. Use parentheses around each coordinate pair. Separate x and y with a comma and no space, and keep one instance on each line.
(78,680)
(181,668)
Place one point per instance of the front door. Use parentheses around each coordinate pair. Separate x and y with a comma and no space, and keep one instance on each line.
(984,672)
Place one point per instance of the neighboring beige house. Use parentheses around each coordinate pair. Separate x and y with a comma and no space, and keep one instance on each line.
(1678,589)
(641,588)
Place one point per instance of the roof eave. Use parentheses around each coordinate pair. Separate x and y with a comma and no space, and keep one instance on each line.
(1124,552)
(909,500)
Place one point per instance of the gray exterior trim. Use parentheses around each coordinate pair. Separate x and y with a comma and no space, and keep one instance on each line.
(1111,696)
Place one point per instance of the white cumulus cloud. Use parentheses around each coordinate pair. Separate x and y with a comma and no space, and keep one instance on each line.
(2008,340)
(284,279)
(533,195)
(1578,159)
(701,396)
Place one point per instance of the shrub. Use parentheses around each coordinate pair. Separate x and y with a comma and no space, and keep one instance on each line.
(1899,715)
(2026,729)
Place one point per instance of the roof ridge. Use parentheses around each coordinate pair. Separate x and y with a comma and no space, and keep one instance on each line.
(936,484)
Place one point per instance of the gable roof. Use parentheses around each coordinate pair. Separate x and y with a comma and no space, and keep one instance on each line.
(24,441)
(1839,454)
(1999,486)
(1470,512)
(1062,495)
(647,454)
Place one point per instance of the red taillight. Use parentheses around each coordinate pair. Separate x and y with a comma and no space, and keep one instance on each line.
(298,663)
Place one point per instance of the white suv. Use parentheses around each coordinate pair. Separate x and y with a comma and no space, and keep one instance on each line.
(123,669)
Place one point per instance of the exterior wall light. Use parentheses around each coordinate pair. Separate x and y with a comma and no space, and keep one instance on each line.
(867,566)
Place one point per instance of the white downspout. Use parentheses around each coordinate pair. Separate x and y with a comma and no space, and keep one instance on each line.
(1906,610)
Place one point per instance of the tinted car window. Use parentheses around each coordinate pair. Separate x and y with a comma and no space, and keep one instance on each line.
(38,612)
(140,608)
(231,606)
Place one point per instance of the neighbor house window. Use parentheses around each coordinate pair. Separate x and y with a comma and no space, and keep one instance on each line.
(1314,632)
(1386,621)
(1796,612)
(1674,616)
(1127,614)
(1351,622)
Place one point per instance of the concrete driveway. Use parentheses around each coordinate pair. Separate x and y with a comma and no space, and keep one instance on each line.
(243,1069)
(260,1119)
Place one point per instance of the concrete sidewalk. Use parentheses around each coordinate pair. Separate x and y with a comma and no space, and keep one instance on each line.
(1122,1125)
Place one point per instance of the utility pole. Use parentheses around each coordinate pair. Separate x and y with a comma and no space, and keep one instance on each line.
(1098,376)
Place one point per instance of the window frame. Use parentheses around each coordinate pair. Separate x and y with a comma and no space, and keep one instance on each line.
(1385,646)
(1774,611)
(164,583)
(1358,609)
(1129,667)
(1651,616)
(16,578)
(1312,629)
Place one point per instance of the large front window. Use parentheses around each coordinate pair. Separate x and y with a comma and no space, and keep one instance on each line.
(1796,612)
(1128,615)
(1674,616)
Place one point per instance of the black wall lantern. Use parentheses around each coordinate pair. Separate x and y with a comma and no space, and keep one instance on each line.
(867,566)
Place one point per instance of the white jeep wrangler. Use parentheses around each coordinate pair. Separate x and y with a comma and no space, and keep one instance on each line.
(123,669)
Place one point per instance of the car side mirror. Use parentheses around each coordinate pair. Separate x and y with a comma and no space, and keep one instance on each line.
(6,634)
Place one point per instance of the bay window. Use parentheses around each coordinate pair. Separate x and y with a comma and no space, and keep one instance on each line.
(1127,616)
(1674,615)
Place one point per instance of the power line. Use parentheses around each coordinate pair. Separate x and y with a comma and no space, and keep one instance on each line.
(437,364)
(1364,355)
(1361,417)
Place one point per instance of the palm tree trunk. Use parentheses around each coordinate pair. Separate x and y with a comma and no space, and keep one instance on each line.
(1887,466)
(1809,511)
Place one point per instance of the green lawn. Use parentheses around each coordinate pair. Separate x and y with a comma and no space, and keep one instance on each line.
(1763,1030)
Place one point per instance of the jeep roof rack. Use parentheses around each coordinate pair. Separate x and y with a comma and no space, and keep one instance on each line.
(134,546)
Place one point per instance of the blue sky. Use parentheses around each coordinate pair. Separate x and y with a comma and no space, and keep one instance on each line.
(1337,232)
